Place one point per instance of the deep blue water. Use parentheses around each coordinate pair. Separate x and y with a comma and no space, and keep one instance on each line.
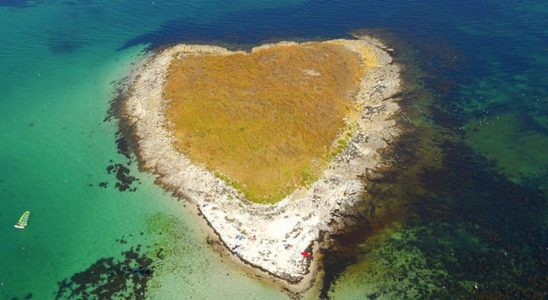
(467,214)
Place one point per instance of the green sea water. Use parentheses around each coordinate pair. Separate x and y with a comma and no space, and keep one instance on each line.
(56,87)
(464,217)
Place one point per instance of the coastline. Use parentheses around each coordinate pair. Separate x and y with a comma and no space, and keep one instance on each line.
(257,235)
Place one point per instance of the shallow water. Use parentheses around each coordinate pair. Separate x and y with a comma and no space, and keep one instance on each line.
(465,217)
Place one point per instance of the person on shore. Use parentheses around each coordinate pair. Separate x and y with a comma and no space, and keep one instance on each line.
(306,254)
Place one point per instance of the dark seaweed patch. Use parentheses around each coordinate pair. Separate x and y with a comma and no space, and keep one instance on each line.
(507,217)
(466,199)
(64,46)
(121,241)
(109,278)
(123,141)
(123,146)
(26,297)
(485,233)
(123,177)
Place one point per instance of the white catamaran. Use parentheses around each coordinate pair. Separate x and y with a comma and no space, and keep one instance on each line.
(23,220)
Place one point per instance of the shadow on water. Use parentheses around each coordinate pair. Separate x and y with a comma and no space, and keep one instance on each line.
(65,45)
(445,222)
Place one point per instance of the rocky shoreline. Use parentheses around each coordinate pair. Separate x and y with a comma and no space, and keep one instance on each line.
(269,238)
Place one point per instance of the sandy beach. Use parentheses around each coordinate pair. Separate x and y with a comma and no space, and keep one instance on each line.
(269,238)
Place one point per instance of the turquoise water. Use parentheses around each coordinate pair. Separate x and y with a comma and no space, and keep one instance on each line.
(467,217)
(58,63)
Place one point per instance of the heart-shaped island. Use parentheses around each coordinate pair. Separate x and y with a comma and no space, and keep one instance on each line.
(270,145)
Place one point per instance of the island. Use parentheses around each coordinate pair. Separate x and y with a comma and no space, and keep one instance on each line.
(269,145)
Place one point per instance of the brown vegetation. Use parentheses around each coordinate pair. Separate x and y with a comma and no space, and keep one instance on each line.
(266,122)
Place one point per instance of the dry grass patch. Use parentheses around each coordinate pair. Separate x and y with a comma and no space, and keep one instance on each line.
(266,122)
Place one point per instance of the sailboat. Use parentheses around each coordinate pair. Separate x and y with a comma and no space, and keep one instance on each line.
(23,220)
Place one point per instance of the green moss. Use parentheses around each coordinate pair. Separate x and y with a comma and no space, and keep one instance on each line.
(308,175)
(343,141)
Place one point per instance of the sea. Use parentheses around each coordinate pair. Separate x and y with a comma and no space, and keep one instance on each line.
(463,214)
